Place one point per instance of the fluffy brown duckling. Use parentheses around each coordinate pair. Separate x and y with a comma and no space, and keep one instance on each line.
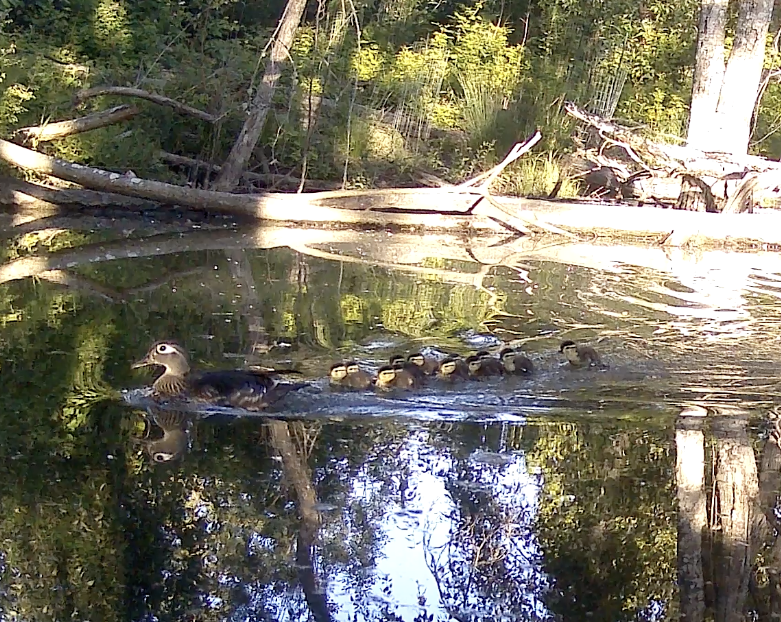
(391,377)
(428,364)
(515,362)
(251,390)
(349,376)
(453,369)
(579,355)
(483,365)
(397,360)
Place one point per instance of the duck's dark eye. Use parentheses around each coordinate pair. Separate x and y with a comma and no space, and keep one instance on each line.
(163,349)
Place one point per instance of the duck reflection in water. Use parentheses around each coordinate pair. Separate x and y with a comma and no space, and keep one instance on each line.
(247,389)
(174,425)
(579,355)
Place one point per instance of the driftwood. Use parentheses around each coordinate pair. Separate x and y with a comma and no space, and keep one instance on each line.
(61,129)
(124,91)
(713,182)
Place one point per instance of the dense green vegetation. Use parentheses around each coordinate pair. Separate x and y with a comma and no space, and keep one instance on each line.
(465,79)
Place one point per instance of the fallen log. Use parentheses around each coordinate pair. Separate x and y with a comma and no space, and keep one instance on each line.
(162,100)
(437,208)
(61,129)
(17,192)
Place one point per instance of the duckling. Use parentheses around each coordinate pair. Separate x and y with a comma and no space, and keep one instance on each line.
(251,390)
(428,364)
(482,365)
(359,378)
(391,377)
(453,369)
(514,362)
(397,360)
(580,355)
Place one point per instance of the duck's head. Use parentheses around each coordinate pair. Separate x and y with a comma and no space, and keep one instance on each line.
(570,350)
(386,374)
(506,354)
(482,354)
(448,366)
(474,362)
(397,359)
(166,354)
(338,371)
(352,367)
(417,359)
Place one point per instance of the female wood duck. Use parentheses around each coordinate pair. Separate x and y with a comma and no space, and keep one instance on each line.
(397,360)
(580,355)
(350,376)
(251,390)
(515,362)
(391,377)
(174,442)
(483,365)
(428,364)
(453,369)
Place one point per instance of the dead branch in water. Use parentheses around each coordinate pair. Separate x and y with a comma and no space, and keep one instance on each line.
(61,129)
(162,100)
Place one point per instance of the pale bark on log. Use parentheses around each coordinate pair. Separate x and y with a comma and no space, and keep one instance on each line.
(61,129)
(162,100)
(250,133)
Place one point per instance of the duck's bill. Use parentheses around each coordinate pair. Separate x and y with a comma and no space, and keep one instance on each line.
(142,363)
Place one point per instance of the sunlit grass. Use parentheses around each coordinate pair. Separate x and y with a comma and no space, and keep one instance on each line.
(480,106)
(536,176)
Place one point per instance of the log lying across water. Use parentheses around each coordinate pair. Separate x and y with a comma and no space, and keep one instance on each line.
(464,208)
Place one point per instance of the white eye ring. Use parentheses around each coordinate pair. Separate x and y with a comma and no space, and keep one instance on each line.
(162,348)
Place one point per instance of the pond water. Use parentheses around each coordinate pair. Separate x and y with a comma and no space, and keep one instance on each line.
(646,491)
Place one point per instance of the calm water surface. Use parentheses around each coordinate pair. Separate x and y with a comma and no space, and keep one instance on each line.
(648,491)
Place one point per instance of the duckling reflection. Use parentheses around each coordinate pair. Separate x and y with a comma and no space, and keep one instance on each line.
(515,362)
(175,439)
(483,365)
(579,355)
(453,369)
(248,389)
(391,377)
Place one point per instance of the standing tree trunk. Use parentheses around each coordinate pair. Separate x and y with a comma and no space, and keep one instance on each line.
(733,89)
(708,71)
(256,117)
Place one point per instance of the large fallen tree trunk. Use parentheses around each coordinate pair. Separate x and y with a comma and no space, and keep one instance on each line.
(442,208)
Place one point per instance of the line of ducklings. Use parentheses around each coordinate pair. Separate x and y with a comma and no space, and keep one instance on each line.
(414,370)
